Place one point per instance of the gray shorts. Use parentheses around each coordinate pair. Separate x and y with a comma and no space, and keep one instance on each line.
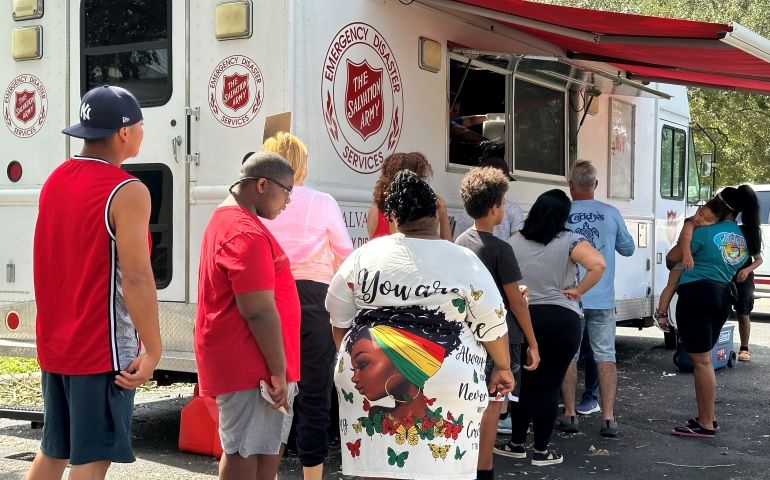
(248,425)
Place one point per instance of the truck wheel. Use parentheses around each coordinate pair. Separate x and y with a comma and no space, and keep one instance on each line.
(731,360)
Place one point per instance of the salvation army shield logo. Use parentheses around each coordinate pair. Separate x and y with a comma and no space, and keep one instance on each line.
(236,91)
(362,97)
(25,105)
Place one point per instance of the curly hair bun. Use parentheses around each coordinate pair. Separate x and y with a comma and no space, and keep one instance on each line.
(410,198)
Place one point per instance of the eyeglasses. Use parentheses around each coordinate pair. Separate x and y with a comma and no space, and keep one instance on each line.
(285,189)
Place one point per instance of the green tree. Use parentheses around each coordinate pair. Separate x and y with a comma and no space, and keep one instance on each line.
(738,122)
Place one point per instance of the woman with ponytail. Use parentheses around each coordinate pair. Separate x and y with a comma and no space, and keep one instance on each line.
(744,278)
(706,292)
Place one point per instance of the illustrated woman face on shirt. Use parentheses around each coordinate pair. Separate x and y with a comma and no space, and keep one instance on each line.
(374,375)
(704,216)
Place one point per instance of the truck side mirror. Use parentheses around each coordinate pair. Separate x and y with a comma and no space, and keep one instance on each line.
(706,164)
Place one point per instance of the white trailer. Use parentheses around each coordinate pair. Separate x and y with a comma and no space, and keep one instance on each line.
(362,79)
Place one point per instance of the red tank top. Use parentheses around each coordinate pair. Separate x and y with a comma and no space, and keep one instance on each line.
(83,325)
(383,227)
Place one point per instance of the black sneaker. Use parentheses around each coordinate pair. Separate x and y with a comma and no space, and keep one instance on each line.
(568,424)
(511,450)
(549,457)
(609,428)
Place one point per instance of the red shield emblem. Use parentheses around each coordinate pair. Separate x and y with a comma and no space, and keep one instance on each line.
(363,99)
(24,109)
(235,93)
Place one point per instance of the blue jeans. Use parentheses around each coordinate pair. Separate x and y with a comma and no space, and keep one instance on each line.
(599,325)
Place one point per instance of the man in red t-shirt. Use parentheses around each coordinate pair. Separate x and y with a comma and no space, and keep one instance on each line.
(247,323)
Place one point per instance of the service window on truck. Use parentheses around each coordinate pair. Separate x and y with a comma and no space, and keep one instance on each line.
(489,92)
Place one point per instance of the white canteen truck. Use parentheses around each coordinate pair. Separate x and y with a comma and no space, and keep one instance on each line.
(356,80)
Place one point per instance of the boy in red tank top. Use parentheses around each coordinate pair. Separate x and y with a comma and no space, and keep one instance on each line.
(94,292)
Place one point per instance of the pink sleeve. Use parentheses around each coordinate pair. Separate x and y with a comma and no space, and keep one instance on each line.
(247,260)
(339,238)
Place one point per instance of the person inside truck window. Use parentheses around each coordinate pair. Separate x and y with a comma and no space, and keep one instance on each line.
(706,292)
(548,255)
(703,216)
(415,318)
(377,224)
(95,293)
(247,325)
(312,233)
(459,126)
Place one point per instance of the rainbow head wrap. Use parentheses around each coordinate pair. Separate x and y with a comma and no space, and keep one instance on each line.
(416,358)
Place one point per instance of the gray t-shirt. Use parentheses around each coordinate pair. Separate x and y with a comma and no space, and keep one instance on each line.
(547,269)
(499,259)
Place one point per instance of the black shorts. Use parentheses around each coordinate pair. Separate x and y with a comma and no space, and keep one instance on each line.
(701,311)
(87,418)
(744,304)
(515,350)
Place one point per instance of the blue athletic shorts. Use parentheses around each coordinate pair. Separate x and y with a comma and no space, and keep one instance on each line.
(87,418)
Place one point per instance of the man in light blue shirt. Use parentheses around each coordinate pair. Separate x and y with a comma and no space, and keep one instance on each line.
(603,226)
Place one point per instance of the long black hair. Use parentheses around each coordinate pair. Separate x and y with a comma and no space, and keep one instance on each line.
(744,200)
(547,217)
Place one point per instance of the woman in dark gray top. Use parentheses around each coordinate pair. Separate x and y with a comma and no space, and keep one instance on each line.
(548,256)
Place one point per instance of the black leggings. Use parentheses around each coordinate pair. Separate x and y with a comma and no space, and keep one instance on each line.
(313,402)
(557,330)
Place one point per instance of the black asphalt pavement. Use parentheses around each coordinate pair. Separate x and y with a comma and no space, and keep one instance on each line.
(653,398)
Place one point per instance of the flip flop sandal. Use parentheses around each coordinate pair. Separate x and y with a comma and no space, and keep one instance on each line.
(698,432)
(744,356)
(693,423)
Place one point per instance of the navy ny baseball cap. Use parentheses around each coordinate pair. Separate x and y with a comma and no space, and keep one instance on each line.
(103,110)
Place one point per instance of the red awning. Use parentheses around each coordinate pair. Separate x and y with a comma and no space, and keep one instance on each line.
(724,56)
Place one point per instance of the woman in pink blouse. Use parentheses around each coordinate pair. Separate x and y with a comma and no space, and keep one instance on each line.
(313,235)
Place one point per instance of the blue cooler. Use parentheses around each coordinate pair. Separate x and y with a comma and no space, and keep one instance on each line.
(722,355)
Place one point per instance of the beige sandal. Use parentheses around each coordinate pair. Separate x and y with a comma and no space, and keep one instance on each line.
(744,356)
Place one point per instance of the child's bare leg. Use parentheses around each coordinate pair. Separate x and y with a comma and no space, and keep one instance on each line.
(665,297)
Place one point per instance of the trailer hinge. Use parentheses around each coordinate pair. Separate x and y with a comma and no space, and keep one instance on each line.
(193,112)
(194,158)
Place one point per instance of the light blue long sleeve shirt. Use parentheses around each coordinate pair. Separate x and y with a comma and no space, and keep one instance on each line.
(603,226)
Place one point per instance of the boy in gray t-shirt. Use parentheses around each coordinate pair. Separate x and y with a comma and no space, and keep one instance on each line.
(483,192)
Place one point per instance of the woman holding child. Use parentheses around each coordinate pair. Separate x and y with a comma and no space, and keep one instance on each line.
(705,298)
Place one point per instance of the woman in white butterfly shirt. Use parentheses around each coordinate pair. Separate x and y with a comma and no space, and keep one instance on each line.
(415,317)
